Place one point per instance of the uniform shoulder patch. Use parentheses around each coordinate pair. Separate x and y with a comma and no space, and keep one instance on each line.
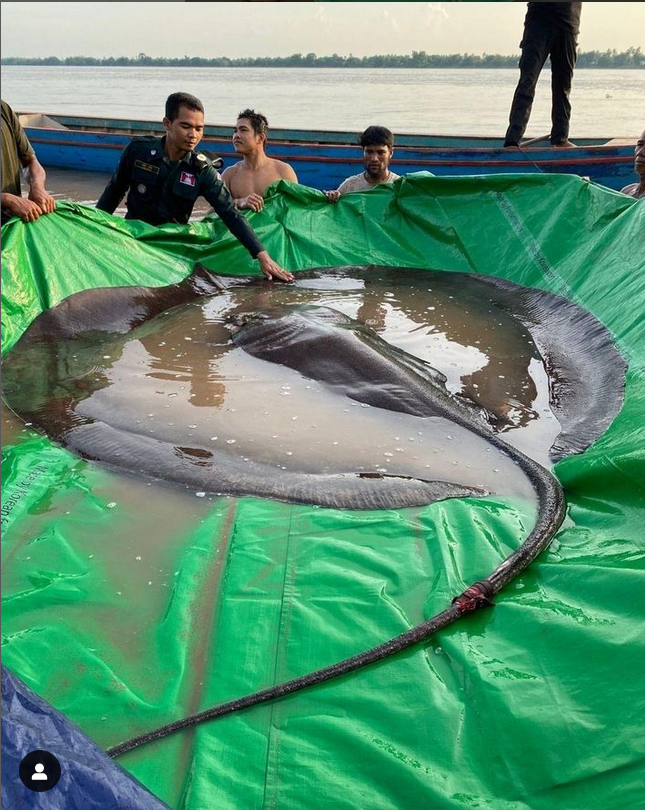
(208,158)
(200,162)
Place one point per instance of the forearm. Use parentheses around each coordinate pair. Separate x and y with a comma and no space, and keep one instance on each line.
(113,193)
(37,175)
(241,229)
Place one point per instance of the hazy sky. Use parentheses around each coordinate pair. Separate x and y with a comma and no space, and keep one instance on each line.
(274,29)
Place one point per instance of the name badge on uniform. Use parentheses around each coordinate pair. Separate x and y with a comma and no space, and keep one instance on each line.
(147,167)
(188,179)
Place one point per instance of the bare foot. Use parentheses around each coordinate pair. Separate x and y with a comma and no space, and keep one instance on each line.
(563,145)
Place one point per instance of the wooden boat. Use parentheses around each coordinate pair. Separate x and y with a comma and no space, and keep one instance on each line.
(323,159)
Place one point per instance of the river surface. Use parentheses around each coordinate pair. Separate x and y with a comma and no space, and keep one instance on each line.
(606,103)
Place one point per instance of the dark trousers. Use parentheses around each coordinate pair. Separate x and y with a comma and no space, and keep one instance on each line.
(540,41)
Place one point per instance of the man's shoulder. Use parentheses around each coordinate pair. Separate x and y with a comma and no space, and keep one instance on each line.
(207,175)
(281,166)
(202,162)
(354,183)
(231,170)
(354,177)
(145,139)
(147,144)
(9,115)
(630,190)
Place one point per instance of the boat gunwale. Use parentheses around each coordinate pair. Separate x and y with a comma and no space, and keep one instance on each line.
(120,128)
(569,159)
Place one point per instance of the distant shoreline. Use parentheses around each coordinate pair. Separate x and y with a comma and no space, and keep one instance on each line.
(632,58)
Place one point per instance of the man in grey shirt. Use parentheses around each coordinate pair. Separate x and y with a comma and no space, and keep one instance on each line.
(378,148)
(637,190)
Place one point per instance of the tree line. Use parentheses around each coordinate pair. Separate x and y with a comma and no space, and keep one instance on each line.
(631,58)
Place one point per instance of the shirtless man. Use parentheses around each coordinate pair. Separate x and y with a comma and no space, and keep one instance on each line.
(249,179)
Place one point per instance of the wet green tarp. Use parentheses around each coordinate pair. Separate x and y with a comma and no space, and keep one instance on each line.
(127,611)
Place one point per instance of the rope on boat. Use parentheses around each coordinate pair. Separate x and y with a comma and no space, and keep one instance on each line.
(526,154)
(551,510)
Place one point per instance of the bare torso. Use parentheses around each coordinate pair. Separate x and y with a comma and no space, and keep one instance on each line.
(242,179)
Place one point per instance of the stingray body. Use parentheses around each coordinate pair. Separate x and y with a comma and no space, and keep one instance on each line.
(56,378)
(96,405)
(323,344)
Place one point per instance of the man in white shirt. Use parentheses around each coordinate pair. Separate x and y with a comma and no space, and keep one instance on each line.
(378,148)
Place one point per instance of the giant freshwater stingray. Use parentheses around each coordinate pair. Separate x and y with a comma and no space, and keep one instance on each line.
(94,371)
(58,380)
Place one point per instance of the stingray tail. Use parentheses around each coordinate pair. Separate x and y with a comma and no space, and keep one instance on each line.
(551,512)
(477,596)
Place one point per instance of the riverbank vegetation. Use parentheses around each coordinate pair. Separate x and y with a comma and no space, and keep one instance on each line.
(631,58)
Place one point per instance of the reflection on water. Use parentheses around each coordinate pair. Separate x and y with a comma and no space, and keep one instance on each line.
(485,354)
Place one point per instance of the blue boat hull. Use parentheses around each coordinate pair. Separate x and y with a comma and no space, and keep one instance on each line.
(325,165)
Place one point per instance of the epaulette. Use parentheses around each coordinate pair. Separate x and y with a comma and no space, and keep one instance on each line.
(203,159)
(143,140)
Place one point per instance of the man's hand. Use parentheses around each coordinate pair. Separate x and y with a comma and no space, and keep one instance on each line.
(44,200)
(254,201)
(27,210)
(272,269)
(332,196)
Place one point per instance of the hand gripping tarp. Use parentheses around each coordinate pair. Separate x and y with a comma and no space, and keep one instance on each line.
(534,704)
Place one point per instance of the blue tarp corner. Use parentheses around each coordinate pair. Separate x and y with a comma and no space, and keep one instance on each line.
(88,780)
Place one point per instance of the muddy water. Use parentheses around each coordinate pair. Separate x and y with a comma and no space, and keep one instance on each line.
(486,356)
(180,380)
(206,397)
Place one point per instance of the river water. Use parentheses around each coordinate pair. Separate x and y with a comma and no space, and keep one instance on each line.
(606,103)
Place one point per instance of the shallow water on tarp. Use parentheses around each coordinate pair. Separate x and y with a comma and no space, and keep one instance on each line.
(486,355)
(179,379)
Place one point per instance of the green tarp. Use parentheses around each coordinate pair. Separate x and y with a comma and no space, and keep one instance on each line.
(126,611)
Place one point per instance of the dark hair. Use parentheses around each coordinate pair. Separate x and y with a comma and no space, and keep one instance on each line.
(177,100)
(258,121)
(377,136)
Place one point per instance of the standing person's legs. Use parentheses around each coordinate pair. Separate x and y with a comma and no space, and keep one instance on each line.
(563,60)
(535,46)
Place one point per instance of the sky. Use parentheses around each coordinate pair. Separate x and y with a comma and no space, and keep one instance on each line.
(278,29)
